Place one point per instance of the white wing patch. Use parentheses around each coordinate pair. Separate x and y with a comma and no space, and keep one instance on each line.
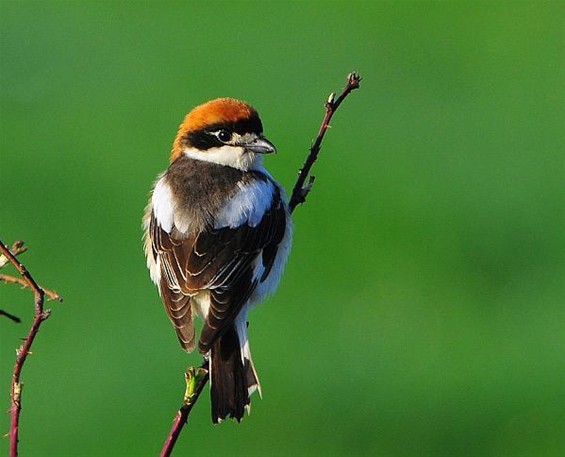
(163,205)
(247,206)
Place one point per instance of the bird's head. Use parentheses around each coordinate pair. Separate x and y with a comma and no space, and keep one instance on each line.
(224,131)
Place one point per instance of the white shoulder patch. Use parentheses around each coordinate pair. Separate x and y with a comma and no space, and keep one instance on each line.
(248,205)
(163,205)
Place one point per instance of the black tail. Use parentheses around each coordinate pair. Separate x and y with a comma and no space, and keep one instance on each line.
(230,381)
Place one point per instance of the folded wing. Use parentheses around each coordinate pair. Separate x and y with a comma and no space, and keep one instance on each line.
(228,262)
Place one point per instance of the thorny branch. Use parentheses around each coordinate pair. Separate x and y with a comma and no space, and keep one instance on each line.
(23,351)
(197,379)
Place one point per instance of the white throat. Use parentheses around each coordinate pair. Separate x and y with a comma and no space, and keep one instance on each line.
(231,156)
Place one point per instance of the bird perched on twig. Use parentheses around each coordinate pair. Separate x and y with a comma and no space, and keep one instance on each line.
(217,236)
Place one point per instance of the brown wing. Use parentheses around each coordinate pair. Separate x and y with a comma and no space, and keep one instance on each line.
(221,261)
(176,301)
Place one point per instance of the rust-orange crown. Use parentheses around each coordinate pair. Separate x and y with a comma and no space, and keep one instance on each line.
(218,111)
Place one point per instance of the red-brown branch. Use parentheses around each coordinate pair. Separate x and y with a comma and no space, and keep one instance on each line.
(301,190)
(182,414)
(24,350)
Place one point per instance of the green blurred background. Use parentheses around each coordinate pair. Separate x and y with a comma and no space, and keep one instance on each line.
(422,310)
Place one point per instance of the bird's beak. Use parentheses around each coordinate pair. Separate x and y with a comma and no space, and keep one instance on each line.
(260,145)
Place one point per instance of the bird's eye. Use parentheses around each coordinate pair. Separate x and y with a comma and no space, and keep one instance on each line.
(224,136)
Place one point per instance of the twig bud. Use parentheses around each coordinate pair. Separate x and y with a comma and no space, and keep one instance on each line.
(353,79)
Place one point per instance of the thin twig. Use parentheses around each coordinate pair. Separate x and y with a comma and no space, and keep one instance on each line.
(298,196)
(196,380)
(51,294)
(10,316)
(24,350)
(301,190)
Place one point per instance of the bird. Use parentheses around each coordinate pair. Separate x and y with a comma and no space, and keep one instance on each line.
(217,235)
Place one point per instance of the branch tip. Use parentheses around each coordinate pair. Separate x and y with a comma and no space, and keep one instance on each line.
(354,80)
(10,316)
(196,379)
(300,190)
